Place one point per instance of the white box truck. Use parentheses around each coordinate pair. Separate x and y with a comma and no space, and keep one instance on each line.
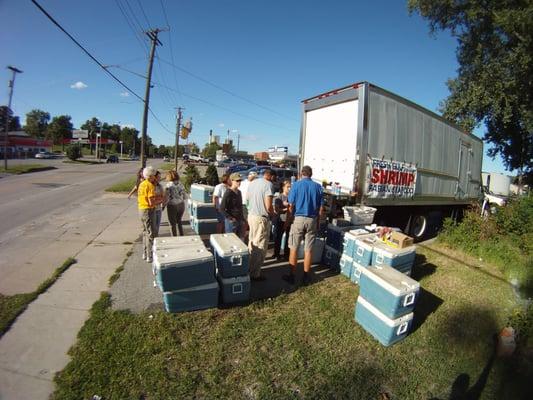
(387,152)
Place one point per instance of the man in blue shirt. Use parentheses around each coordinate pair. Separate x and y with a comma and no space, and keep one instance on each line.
(305,203)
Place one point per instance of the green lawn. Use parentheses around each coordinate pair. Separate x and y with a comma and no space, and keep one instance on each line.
(122,187)
(12,306)
(24,169)
(303,344)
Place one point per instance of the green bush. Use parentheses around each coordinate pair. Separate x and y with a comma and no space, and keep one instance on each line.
(191,176)
(211,175)
(74,152)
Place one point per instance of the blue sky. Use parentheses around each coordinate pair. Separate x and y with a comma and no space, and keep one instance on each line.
(256,61)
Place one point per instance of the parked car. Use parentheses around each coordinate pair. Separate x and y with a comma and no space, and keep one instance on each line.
(238,167)
(194,157)
(44,154)
(112,159)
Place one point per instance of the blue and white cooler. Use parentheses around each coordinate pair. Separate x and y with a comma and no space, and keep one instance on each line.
(345,264)
(162,243)
(386,330)
(400,259)
(356,272)
(202,193)
(331,258)
(349,240)
(235,289)
(183,267)
(231,255)
(390,291)
(189,207)
(203,210)
(364,247)
(204,226)
(192,298)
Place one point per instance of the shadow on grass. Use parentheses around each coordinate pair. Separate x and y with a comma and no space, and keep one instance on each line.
(422,268)
(426,305)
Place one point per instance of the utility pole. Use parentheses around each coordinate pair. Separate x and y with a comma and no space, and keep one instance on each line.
(11,86)
(238,141)
(178,127)
(152,34)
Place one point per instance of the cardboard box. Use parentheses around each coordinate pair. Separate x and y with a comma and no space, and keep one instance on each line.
(399,240)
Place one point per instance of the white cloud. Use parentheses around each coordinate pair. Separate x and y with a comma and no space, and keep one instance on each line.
(125,94)
(78,85)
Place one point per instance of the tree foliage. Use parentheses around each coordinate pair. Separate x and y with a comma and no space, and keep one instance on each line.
(14,122)
(494,85)
(37,123)
(210,150)
(74,152)
(211,175)
(60,128)
(191,176)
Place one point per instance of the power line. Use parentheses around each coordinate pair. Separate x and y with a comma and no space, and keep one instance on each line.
(130,24)
(142,10)
(227,91)
(171,46)
(84,50)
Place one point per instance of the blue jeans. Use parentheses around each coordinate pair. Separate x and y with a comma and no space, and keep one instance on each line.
(233,226)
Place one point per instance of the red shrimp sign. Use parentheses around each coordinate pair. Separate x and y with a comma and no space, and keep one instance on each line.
(387,178)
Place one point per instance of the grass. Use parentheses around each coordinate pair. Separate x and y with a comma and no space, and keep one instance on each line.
(113,278)
(25,169)
(122,187)
(87,162)
(12,306)
(298,345)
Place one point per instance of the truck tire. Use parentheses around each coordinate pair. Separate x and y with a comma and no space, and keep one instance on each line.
(419,227)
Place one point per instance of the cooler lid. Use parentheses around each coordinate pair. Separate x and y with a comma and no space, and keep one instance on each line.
(196,220)
(183,255)
(389,251)
(383,317)
(367,241)
(391,279)
(354,233)
(197,204)
(176,241)
(227,244)
(200,186)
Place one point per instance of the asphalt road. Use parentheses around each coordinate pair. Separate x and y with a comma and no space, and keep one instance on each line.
(26,197)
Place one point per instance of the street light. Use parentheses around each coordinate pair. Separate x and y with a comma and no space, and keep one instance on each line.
(120,149)
(11,86)
(97,146)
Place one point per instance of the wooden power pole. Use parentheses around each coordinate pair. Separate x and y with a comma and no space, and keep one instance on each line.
(178,127)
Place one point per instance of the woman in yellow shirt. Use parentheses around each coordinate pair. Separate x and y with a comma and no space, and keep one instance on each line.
(147,201)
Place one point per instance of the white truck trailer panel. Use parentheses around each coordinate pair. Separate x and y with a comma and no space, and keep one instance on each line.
(344,130)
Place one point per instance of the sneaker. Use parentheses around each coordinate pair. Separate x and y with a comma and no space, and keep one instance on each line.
(289,278)
(149,260)
(144,256)
(307,279)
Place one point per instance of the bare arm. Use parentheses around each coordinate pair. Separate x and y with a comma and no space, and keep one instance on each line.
(269,205)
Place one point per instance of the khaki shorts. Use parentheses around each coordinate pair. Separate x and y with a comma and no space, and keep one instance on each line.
(302,228)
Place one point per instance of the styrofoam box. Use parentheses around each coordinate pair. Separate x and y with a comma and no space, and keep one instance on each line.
(331,258)
(386,330)
(387,255)
(204,226)
(316,253)
(172,242)
(192,298)
(356,272)
(232,257)
(359,215)
(202,193)
(183,267)
(364,248)
(345,264)
(390,291)
(203,210)
(349,240)
(235,289)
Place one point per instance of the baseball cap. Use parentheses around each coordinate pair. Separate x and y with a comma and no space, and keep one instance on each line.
(235,177)
(252,174)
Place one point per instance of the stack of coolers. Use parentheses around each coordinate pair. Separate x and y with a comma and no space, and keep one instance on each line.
(202,210)
(184,270)
(333,249)
(357,252)
(232,263)
(385,304)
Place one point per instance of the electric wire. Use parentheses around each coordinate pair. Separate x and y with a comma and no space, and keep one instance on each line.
(144,14)
(171,46)
(84,50)
(227,91)
(132,28)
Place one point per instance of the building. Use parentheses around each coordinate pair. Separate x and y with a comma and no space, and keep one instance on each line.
(278,153)
(22,145)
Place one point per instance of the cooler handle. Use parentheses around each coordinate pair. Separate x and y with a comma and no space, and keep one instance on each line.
(236,261)
(360,251)
(409,299)
(357,272)
(342,263)
(379,259)
(236,288)
(402,328)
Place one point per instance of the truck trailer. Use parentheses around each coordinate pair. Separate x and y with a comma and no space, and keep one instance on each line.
(378,149)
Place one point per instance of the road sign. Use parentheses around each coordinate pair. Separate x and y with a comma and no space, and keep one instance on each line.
(80,134)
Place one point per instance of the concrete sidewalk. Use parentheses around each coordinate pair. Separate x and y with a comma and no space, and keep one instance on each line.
(36,346)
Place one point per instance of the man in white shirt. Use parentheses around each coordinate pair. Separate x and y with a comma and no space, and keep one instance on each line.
(218,193)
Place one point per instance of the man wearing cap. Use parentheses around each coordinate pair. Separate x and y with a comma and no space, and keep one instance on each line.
(231,207)
(305,204)
(260,210)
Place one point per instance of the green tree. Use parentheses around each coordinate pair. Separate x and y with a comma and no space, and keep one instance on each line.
(494,85)
(211,175)
(131,143)
(60,128)
(194,148)
(210,150)
(191,176)
(94,126)
(37,123)
(74,152)
(14,122)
